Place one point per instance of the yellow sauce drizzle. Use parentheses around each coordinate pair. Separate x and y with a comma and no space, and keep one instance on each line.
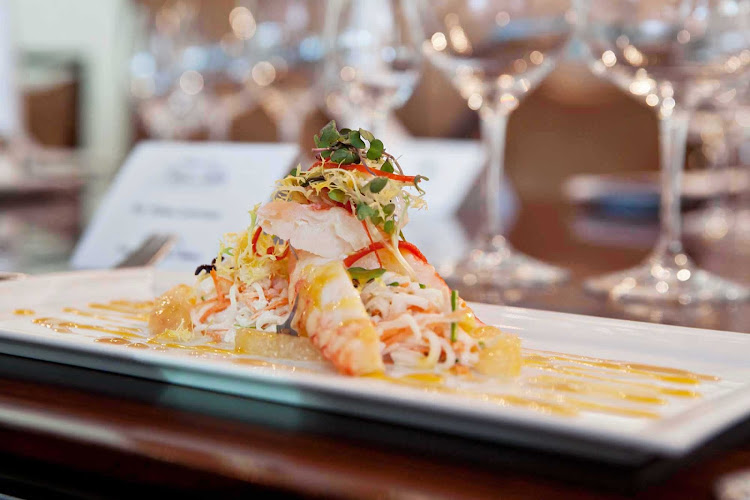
(421,379)
(62,326)
(113,340)
(666,373)
(119,317)
(567,380)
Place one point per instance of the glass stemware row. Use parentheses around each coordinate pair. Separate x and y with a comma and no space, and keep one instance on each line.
(673,55)
(364,58)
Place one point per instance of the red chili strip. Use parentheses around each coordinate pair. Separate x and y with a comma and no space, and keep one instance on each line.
(402,245)
(361,168)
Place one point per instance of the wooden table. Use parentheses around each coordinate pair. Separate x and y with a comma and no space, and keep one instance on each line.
(111,441)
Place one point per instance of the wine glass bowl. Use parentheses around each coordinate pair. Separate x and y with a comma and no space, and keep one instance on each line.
(681,52)
(282,56)
(495,52)
(673,55)
(374,60)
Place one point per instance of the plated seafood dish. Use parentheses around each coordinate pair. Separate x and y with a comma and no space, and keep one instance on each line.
(327,260)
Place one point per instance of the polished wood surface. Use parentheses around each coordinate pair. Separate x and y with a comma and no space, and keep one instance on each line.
(51,422)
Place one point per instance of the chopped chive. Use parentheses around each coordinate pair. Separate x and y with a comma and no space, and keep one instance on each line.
(454,325)
(395,283)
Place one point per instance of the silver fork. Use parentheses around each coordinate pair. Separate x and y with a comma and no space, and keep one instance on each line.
(152,250)
(286,326)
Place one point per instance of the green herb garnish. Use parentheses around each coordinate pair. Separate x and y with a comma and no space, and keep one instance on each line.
(376,150)
(454,325)
(337,195)
(395,283)
(356,140)
(363,275)
(377,184)
(364,211)
(387,167)
(422,286)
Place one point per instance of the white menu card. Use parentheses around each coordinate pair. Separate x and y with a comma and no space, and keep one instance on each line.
(197,191)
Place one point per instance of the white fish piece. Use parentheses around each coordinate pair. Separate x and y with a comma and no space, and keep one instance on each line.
(326,231)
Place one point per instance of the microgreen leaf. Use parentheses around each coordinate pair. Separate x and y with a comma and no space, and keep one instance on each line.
(364,211)
(376,150)
(344,132)
(337,195)
(325,154)
(387,167)
(329,135)
(418,178)
(356,140)
(366,135)
(389,209)
(364,275)
(344,156)
(389,226)
(376,219)
(377,184)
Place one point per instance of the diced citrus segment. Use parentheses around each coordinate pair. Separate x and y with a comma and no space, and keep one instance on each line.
(172,310)
(275,345)
(500,353)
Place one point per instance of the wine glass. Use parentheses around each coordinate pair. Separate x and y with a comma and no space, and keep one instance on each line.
(673,55)
(173,72)
(282,55)
(373,61)
(495,52)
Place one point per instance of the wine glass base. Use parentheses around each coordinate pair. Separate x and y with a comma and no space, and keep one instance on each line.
(497,265)
(659,281)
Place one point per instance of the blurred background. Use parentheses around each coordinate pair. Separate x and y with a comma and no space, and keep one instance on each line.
(74,60)
(91,78)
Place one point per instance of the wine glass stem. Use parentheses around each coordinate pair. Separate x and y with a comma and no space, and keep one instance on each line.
(493,128)
(673,131)
(376,120)
(290,126)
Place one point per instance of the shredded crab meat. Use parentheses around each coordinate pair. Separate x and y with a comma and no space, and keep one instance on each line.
(263,305)
(422,317)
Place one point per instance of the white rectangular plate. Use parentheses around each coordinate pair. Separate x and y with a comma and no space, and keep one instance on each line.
(682,423)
